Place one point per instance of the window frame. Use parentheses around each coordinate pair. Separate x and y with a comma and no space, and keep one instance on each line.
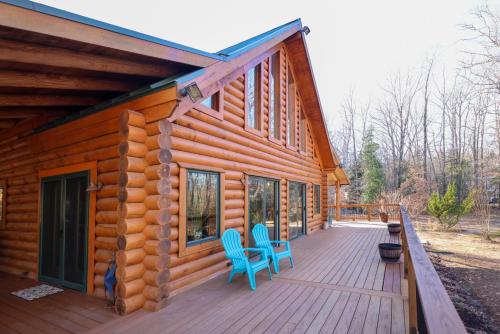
(216,113)
(260,90)
(316,204)
(186,249)
(3,202)
(291,91)
(278,112)
(302,132)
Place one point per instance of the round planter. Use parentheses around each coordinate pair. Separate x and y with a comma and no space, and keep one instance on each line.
(390,252)
(394,228)
(384,217)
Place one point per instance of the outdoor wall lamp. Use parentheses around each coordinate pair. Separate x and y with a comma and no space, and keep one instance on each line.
(193,91)
(306,30)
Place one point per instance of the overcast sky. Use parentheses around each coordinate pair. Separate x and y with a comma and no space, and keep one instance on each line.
(352,44)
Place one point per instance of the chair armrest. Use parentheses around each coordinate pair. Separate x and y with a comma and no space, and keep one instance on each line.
(278,242)
(262,251)
(236,257)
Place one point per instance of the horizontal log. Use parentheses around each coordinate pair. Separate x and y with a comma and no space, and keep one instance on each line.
(129,273)
(131,226)
(131,210)
(156,293)
(106,217)
(156,262)
(157,247)
(106,230)
(127,305)
(129,289)
(131,117)
(130,241)
(105,243)
(196,276)
(156,278)
(157,232)
(155,306)
(130,257)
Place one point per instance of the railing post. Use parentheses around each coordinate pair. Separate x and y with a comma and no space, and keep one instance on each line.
(337,201)
(412,299)
(369,211)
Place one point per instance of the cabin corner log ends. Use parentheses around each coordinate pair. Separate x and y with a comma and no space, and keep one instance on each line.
(143,211)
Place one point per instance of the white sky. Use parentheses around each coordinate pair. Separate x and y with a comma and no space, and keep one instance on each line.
(352,44)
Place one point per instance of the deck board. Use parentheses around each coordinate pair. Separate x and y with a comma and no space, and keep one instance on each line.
(65,312)
(338,285)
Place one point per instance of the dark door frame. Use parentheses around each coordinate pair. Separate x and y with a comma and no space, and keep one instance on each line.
(62,251)
(277,211)
(304,208)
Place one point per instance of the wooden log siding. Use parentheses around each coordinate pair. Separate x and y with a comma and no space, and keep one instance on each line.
(93,138)
(201,139)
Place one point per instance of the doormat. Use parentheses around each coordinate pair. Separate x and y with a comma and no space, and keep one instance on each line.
(36,292)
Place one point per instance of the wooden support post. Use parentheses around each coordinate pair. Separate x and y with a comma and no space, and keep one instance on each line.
(369,211)
(337,201)
(412,299)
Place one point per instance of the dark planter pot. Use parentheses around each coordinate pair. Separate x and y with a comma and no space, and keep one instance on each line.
(390,252)
(384,217)
(394,228)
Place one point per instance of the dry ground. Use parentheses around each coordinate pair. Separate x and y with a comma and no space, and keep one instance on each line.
(469,267)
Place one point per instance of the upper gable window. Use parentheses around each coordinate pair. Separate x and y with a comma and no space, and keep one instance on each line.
(212,101)
(253,105)
(274,97)
(212,105)
(303,132)
(290,111)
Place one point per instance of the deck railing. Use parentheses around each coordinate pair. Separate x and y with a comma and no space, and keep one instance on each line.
(370,212)
(430,308)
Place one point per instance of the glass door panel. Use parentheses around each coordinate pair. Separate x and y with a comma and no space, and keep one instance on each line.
(63,255)
(296,209)
(263,206)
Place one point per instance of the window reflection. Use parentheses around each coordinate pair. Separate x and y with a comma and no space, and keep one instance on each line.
(202,206)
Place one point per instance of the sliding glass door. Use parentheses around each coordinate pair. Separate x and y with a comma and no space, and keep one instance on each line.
(296,209)
(263,208)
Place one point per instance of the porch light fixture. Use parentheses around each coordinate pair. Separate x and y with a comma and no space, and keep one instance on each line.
(306,30)
(94,187)
(193,91)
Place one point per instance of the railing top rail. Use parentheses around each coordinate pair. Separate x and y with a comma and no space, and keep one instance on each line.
(439,312)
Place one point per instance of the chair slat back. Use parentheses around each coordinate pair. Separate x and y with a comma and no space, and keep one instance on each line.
(261,237)
(231,241)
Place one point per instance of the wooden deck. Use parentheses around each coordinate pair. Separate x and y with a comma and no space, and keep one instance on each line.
(65,312)
(339,285)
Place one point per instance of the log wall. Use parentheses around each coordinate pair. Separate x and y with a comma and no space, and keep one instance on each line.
(125,149)
(201,139)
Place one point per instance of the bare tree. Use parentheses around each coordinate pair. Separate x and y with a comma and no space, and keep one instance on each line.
(483,56)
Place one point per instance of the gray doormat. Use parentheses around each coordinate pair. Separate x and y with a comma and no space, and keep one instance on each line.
(36,292)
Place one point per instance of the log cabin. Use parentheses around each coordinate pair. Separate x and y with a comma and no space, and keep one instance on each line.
(118,145)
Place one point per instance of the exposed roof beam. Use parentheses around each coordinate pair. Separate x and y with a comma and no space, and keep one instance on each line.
(29,53)
(50,21)
(46,100)
(21,112)
(5,124)
(57,81)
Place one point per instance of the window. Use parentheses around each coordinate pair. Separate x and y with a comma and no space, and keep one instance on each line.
(317,199)
(202,206)
(274,97)
(290,111)
(3,202)
(212,105)
(253,105)
(303,132)
(212,101)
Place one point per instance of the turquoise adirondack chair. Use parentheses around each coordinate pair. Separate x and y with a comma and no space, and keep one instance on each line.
(261,237)
(241,263)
